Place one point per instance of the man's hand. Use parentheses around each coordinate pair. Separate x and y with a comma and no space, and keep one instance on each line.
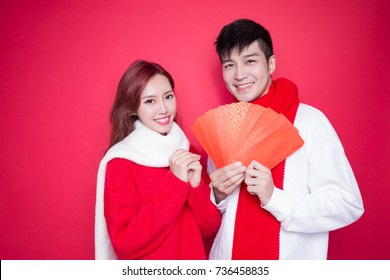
(259,181)
(226,179)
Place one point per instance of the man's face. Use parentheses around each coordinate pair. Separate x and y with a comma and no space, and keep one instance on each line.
(247,75)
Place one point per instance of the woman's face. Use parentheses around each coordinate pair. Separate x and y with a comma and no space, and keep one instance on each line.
(157,108)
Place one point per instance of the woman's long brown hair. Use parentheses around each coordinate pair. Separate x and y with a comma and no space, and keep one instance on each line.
(128,95)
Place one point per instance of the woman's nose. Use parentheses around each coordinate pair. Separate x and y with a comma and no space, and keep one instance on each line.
(163,107)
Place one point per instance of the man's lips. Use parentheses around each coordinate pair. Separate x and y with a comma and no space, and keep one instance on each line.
(244,87)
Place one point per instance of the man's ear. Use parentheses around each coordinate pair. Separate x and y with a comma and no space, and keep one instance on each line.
(271,64)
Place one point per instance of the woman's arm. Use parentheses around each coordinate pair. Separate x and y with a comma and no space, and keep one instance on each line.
(136,229)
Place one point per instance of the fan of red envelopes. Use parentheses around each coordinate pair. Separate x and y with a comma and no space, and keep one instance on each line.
(244,132)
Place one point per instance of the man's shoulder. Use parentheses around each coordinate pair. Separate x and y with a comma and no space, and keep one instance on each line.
(309,111)
(309,115)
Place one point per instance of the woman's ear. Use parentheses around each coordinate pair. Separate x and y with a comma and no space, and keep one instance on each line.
(131,114)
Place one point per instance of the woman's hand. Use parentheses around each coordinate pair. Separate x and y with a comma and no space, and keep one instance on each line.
(186,166)
(194,173)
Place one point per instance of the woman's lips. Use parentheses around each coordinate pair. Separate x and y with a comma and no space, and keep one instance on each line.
(163,121)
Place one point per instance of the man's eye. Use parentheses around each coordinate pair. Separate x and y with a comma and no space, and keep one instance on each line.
(229,65)
(169,96)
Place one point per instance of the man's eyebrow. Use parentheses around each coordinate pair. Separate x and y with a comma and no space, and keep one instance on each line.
(251,54)
(228,59)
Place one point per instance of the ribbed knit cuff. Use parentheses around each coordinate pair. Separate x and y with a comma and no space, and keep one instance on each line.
(221,206)
(175,190)
(199,194)
(280,204)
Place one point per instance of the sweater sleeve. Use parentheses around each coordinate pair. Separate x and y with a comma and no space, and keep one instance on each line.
(323,194)
(204,211)
(221,206)
(136,229)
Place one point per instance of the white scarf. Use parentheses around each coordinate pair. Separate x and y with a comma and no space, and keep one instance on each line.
(145,147)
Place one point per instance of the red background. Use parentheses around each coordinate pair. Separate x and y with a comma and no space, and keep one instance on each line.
(61,62)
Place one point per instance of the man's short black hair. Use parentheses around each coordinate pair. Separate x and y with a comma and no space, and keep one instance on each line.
(240,34)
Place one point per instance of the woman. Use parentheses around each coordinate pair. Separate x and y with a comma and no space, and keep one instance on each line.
(152,202)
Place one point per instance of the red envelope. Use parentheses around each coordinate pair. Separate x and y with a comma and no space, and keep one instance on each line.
(244,132)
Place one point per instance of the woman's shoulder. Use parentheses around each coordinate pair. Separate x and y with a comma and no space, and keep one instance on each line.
(120,165)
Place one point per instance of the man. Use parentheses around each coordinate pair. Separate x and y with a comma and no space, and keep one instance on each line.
(286,212)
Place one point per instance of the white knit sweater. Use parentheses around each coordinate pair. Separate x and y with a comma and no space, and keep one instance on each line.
(144,147)
(320,194)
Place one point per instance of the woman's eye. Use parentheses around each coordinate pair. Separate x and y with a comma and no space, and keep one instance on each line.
(169,96)
(149,101)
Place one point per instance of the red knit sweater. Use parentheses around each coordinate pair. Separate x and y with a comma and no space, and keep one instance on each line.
(151,214)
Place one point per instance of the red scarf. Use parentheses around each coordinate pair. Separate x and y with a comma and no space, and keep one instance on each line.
(256,231)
